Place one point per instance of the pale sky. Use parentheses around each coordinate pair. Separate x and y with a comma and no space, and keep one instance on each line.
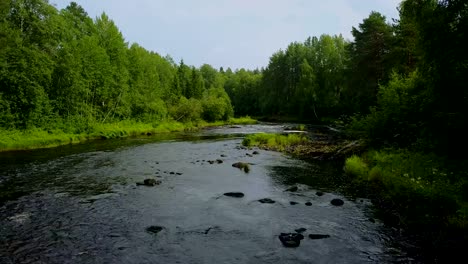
(230,33)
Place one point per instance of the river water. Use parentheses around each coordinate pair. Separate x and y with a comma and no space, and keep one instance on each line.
(81,204)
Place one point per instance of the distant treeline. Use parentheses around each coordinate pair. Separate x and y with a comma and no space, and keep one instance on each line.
(403,82)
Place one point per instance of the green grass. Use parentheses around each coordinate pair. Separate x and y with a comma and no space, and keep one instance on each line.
(354,165)
(420,187)
(274,141)
(40,138)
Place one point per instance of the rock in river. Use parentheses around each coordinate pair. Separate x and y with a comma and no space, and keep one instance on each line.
(154,229)
(337,202)
(266,200)
(290,239)
(319,193)
(308,204)
(242,166)
(292,189)
(234,194)
(149,182)
(318,236)
(293,203)
(300,230)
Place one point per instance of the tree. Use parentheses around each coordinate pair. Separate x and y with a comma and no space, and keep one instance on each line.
(369,60)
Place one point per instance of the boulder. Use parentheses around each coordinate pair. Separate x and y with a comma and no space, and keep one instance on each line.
(266,200)
(154,229)
(318,236)
(290,239)
(234,194)
(337,202)
(242,166)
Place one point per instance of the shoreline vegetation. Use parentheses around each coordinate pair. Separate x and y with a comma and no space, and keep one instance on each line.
(418,193)
(12,140)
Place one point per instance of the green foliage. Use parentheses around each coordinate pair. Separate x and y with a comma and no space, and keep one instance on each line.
(216,105)
(418,186)
(186,110)
(369,61)
(274,141)
(355,166)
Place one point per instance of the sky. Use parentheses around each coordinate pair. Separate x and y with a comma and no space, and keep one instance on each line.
(230,33)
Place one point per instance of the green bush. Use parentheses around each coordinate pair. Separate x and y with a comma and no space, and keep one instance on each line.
(216,105)
(186,110)
(355,166)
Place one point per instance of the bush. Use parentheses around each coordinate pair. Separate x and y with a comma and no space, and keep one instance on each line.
(355,166)
(216,105)
(186,110)
(393,120)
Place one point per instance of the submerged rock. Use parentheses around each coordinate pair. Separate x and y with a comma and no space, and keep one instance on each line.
(234,194)
(255,152)
(154,229)
(300,230)
(292,189)
(219,161)
(150,182)
(211,161)
(308,204)
(266,200)
(318,236)
(223,156)
(290,239)
(337,202)
(293,203)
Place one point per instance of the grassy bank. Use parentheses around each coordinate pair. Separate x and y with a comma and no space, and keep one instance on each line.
(40,138)
(275,142)
(416,191)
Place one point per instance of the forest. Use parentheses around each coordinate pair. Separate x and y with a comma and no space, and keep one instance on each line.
(400,82)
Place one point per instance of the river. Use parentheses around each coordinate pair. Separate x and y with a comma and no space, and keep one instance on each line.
(80,204)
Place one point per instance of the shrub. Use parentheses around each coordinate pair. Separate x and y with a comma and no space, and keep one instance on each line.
(186,110)
(355,166)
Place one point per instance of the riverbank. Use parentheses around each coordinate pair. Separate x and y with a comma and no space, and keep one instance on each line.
(41,138)
(420,194)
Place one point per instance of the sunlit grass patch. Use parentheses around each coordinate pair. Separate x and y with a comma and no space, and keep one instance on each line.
(274,141)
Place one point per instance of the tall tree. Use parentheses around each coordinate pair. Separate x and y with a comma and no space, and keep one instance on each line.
(369,55)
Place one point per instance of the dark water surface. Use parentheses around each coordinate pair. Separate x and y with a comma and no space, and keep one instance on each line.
(80,204)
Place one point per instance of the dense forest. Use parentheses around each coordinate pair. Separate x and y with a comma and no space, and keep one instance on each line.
(402,82)
(64,70)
